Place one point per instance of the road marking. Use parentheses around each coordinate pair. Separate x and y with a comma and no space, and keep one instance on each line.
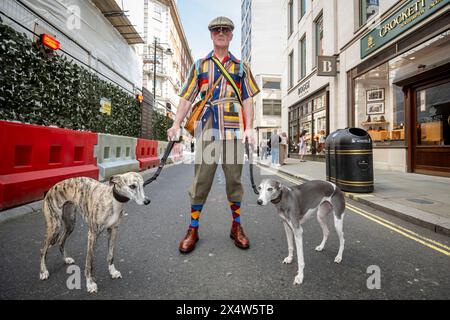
(435,245)
(397,227)
(417,239)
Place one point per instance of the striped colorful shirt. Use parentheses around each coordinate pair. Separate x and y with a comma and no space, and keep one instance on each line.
(223,106)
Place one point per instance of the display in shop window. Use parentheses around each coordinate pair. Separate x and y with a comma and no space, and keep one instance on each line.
(375,95)
(375,108)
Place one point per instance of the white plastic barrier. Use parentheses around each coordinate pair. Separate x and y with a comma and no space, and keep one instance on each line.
(115,155)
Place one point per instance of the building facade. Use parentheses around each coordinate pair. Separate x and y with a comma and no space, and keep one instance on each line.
(310,101)
(165,43)
(261,49)
(395,64)
(89,34)
(392,77)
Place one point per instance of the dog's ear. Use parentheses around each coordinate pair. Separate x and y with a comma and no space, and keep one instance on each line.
(277,185)
(114,180)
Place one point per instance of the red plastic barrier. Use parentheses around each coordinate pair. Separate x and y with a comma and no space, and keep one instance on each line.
(34,158)
(147,154)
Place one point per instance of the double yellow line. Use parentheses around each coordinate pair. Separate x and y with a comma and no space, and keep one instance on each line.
(435,245)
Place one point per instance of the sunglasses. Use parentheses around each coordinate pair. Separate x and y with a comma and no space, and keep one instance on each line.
(224,30)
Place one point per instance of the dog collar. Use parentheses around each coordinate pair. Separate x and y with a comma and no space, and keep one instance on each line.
(277,199)
(120,198)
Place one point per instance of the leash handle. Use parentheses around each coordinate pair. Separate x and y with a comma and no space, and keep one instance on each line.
(252,181)
(162,162)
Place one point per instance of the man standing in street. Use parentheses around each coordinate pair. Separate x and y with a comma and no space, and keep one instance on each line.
(224,126)
(275,145)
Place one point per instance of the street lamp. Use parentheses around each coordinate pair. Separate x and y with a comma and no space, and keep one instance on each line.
(168,52)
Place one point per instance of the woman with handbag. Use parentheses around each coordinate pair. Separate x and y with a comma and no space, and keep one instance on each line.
(302,145)
(221,122)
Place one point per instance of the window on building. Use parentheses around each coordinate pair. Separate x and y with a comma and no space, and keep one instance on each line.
(379,106)
(367,9)
(301,9)
(269,84)
(157,11)
(319,37)
(271,107)
(302,57)
(291,69)
(290,18)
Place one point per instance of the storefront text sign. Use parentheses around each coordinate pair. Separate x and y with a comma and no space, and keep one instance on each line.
(411,13)
(326,66)
(303,89)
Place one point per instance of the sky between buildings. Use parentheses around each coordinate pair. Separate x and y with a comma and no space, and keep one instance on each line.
(195,16)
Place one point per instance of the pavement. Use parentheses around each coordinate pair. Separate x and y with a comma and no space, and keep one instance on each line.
(421,199)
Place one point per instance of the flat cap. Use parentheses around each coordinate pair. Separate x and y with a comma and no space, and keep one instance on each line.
(221,22)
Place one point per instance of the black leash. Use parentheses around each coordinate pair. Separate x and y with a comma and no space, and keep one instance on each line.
(169,150)
(250,163)
(162,162)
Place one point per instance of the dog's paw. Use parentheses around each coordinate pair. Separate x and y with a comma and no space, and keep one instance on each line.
(298,279)
(69,260)
(92,287)
(338,259)
(44,275)
(116,274)
(287,260)
(319,248)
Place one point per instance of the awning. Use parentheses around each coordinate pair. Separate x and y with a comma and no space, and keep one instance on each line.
(116,16)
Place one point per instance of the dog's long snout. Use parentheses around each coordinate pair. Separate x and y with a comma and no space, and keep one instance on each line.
(260,202)
(147,201)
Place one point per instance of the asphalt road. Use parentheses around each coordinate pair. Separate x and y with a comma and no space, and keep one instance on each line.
(152,268)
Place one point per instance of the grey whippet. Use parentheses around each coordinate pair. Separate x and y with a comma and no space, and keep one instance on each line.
(101,205)
(296,204)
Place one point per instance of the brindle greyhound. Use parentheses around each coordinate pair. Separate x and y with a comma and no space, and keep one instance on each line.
(296,204)
(101,206)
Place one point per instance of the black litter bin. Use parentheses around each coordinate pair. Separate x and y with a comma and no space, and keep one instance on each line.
(349,160)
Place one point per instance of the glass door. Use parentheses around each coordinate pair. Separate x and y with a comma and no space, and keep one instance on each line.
(432,128)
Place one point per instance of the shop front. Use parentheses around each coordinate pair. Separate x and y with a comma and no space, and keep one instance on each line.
(310,115)
(401,94)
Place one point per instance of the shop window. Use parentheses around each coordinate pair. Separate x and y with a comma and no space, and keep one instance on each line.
(367,9)
(312,117)
(433,115)
(379,106)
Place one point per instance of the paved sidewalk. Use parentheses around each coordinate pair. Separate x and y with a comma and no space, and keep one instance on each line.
(420,199)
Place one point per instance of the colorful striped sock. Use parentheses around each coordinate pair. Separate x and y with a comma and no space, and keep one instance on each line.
(236,212)
(195,215)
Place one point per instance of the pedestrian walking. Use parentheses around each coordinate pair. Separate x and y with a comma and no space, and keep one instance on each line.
(275,147)
(224,126)
(263,147)
(302,145)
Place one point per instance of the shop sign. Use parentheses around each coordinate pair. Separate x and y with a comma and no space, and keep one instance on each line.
(326,66)
(411,13)
(303,89)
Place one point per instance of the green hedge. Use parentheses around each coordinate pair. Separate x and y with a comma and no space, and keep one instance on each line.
(45,90)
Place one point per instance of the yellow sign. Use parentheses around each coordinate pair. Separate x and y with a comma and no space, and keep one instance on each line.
(105,106)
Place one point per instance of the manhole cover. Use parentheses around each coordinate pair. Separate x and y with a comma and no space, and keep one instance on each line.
(421,201)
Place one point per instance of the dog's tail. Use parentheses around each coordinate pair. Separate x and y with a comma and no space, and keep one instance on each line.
(52,215)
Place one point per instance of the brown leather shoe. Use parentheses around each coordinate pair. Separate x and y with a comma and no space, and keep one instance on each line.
(239,237)
(189,240)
